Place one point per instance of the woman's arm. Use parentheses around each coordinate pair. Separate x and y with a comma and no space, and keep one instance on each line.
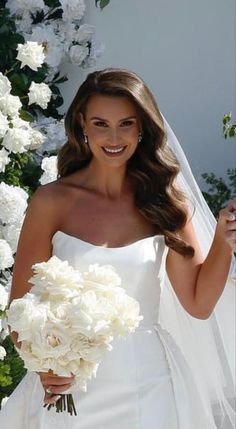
(199,283)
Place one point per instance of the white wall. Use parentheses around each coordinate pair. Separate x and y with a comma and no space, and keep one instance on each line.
(185,51)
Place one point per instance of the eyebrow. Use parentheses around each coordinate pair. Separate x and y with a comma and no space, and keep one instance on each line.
(106,120)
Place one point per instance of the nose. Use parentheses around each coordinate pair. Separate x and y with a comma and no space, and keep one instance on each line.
(114,137)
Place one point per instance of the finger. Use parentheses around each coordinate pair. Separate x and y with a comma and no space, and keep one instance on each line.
(58,389)
(232,205)
(231,226)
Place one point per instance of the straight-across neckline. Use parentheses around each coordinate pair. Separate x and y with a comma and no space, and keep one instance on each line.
(87,243)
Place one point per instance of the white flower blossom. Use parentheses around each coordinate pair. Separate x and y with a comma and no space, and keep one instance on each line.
(49,165)
(5,85)
(39,93)
(4,125)
(4,159)
(51,127)
(10,105)
(52,41)
(11,233)
(3,297)
(24,23)
(84,33)
(17,140)
(78,53)
(13,203)
(36,139)
(6,258)
(19,6)
(3,353)
(96,50)
(72,9)
(30,54)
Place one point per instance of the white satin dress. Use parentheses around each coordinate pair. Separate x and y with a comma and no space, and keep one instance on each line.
(144,382)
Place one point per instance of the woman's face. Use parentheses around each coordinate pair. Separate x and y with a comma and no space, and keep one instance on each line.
(112,127)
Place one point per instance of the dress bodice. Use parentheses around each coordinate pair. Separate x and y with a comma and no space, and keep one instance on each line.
(141,266)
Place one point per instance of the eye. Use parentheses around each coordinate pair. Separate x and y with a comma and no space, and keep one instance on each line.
(127,123)
(100,124)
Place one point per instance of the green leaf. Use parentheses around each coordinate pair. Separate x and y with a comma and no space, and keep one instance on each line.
(103,3)
(26,116)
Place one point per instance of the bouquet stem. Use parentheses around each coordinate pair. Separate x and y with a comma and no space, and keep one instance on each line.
(65,403)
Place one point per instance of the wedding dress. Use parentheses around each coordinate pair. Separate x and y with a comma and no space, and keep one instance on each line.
(145,382)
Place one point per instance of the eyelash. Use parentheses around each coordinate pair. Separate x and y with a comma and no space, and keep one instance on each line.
(98,124)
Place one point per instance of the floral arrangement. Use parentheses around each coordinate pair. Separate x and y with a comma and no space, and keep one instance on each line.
(36,37)
(68,320)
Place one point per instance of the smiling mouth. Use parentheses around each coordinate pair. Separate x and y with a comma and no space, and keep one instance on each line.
(113,151)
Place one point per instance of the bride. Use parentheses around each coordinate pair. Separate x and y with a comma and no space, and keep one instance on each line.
(125,195)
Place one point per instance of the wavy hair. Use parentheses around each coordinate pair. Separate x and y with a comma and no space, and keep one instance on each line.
(153,167)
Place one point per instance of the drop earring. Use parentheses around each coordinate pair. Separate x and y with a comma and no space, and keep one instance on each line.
(140,137)
(85,138)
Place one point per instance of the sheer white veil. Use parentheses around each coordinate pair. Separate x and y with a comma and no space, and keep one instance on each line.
(208,345)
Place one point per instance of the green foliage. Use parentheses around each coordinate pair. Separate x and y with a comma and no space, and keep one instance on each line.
(102,3)
(229,129)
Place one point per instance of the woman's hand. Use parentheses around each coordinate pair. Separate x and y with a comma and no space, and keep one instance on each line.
(54,385)
(227,224)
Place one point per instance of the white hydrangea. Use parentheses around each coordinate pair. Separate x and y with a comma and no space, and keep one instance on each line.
(17,140)
(5,85)
(19,6)
(78,53)
(3,297)
(51,128)
(39,93)
(52,41)
(4,159)
(72,9)
(11,233)
(10,105)
(31,54)
(3,353)
(84,34)
(13,203)
(49,165)
(6,258)
(4,125)
(36,139)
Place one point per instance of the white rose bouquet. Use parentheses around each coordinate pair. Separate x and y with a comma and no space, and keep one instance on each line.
(68,320)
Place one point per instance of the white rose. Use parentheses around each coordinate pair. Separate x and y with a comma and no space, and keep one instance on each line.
(13,203)
(36,139)
(39,93)
(77,54)
(5,85)
(72,9)
(2,353)
(17,140)
(6,259)
(96,50)
(10,105)
(19,6)
(3,297)
(4,159)
(48,35)
(30,54)
(102,276)
(49,165)
(3,125)
(84,33)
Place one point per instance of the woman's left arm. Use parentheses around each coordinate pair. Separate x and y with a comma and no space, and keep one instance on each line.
(199,283)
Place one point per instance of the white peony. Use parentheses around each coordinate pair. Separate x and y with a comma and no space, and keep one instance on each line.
(39,93)
(30,54)
(19,6)
(13,203)
(5,85)
(6,258)
(49,165)
(72,9)
(78,53)
(17,140)
(52,41)
(3,353)
(4,159)
(3,297)
(10,105)
(84,34)
(4,125)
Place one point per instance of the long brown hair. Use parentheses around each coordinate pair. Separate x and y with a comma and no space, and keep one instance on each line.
(152,168)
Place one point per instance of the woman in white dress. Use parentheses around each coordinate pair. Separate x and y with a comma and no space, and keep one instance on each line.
(117,200)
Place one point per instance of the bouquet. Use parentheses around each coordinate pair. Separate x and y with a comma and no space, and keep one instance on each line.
(68,319)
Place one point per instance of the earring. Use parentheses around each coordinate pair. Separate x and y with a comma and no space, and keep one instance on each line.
(85,138)
(140,137)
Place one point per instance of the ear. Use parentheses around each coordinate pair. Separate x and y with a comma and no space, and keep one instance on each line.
(80,119)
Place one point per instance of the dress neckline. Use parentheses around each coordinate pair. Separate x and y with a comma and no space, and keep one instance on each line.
(87,243)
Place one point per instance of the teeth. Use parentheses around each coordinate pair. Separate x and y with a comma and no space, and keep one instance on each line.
(113,150)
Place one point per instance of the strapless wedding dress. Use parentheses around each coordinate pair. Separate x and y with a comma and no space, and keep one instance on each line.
(145,381)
